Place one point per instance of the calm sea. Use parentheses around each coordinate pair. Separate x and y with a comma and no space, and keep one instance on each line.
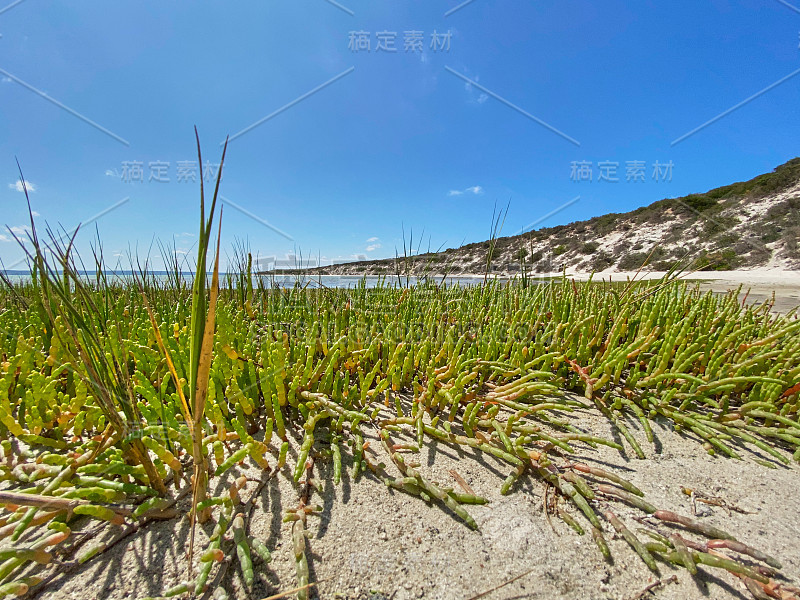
(284,281)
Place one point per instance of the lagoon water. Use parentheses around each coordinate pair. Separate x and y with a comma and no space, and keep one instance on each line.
(282,281)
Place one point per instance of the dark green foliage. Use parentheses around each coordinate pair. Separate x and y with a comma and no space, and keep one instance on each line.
(698,202)
(602,260)
(792,241)
(604,225)
(632,261)
(781,178)
(719,224)
(725,260)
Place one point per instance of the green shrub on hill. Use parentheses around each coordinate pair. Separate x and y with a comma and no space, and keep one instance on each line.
(724,260)
(602,261)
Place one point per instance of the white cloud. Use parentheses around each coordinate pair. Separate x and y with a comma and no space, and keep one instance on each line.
(373,247)
(472,90)
(7,79)
(18,186)
(20,231)
(373,239)
(35,214)
(184,235)
(110,173)
(475,189)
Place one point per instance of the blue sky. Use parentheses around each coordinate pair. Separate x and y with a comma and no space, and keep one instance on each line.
(399,139)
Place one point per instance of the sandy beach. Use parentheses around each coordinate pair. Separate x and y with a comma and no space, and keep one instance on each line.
(374,543)
(757,285)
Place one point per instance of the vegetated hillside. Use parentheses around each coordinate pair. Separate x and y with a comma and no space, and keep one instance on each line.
(745,225)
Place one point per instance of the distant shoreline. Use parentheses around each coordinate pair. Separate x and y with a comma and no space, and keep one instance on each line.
(757,285)
(752,277)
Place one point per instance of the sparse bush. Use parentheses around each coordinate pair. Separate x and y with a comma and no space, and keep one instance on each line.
(726,260)
(784,213)
(589,248)
(676,232)
(602,261)
(754,247)
(622,248)
(632,261)
(605,224)
(719,224)
(781,178)
(559,250)
(727,240)
(699,202)
(664,265)
(792,241)
(768,232)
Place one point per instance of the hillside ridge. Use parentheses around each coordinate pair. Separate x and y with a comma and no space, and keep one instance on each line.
(744,225)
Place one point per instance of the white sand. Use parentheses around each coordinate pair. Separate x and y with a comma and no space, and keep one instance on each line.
(762,278)
(372,543)
(757,285)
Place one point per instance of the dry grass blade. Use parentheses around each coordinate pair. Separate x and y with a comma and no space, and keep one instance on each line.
(187,415)
(460,480)
(654,586)
(308,586)
(502,585)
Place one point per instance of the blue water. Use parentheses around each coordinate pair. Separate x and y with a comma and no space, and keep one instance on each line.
(283,281)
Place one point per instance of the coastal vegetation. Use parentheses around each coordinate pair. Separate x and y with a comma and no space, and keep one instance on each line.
(120,397)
